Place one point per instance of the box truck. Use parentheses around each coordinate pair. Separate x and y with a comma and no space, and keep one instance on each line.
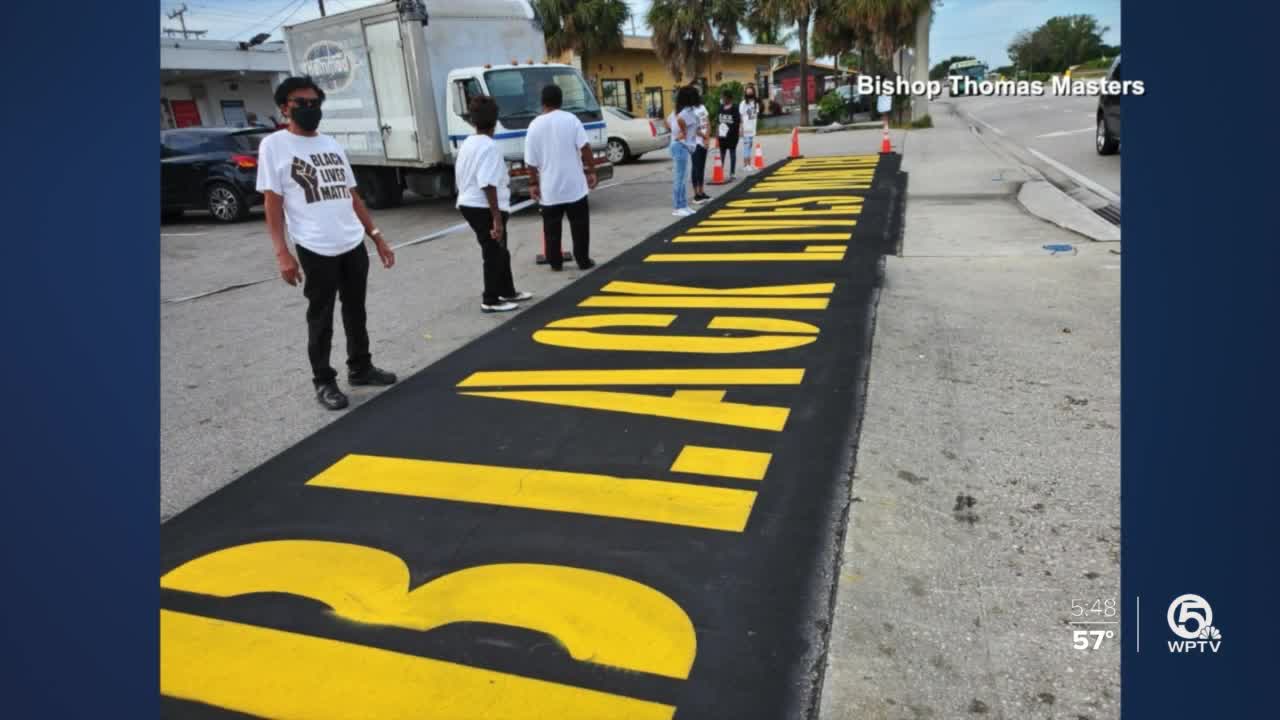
(397,77)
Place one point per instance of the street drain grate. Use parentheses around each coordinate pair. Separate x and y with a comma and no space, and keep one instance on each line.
(1110,213)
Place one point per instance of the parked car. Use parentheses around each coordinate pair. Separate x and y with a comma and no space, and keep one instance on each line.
(1107,138)
(630,136)
(212,169)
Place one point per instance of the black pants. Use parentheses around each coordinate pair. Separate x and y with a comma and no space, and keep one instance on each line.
(730,146)
(699,166)
(344,277)
(579,213)
(497,260)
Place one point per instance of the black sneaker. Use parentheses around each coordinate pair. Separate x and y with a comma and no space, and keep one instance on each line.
(372,376)
(330,396)
(586,264)
(555,268)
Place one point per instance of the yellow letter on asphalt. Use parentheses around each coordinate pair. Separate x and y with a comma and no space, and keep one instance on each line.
(581,333)
(596,617)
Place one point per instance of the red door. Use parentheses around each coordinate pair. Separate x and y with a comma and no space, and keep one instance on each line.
(185,113)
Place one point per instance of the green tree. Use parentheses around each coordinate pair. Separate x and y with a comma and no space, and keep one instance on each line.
(583,26)
(689,34)
(799,13)
(1059,43)
(939,71)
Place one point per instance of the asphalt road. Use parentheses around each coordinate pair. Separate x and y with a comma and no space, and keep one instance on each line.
(1058,127)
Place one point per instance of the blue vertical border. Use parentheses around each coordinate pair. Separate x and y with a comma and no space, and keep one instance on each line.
(1200,396)
(79,489)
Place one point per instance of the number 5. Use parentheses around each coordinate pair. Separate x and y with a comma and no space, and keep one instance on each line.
(1080,639)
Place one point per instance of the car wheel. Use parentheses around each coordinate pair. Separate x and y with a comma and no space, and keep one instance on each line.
(617,152)
(1102,140)
(225,203)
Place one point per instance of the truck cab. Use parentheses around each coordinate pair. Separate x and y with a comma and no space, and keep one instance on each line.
(518,91)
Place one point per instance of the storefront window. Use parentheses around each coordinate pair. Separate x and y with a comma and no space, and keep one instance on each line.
(616,93)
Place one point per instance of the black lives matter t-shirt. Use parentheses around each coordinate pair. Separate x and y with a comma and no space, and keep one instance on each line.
(314,178)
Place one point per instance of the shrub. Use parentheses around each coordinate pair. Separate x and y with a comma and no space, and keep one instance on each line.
(831,107)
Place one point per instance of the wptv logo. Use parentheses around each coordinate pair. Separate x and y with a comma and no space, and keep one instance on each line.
(1191,619)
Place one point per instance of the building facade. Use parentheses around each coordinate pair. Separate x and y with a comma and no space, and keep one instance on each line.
(215,83)
(822,78)
(635,80)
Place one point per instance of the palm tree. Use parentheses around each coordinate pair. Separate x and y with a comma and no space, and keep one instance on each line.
(583,26)
(689,34)
(883,26)
(799,13)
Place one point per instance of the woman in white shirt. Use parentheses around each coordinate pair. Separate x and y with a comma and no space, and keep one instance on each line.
(750,111)
(684,126)
(484,197)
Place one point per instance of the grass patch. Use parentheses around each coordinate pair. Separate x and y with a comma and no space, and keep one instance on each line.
(923,122)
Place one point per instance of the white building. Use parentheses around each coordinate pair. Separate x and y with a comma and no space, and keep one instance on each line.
(218,82)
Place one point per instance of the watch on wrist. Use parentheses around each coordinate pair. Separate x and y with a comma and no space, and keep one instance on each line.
(375,233)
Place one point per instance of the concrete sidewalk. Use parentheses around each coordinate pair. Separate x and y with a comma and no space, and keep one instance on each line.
(986,492)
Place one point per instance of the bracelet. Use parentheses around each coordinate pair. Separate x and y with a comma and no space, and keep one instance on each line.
(375,233)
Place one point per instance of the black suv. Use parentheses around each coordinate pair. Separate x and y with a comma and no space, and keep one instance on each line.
(214,169)
(1107,139)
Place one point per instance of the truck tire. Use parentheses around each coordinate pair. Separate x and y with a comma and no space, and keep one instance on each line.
(378,187)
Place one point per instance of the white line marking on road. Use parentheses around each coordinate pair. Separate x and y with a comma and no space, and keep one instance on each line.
(1109,195)
(182,234)
(989,126)
(1060,133)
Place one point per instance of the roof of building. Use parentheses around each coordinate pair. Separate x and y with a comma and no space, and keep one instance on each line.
(820,66)
(221,55)
(645,42)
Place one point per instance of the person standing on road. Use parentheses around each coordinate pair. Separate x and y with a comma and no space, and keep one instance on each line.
(730,122)
(701,139)
(562,170)
(307,184)
(484,197)
(749,110)
(683,123)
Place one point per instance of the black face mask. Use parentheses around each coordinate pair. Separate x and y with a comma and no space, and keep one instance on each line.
(308,118)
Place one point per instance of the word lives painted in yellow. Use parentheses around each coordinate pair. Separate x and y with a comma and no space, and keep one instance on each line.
(840,172)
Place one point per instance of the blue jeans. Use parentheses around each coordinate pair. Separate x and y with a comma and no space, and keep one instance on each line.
(679,171)
(748,151)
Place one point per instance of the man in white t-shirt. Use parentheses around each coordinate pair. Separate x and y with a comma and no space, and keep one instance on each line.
(484,198)
(307,184)
(562,170)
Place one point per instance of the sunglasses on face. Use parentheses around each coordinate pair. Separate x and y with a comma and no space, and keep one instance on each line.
(305,102)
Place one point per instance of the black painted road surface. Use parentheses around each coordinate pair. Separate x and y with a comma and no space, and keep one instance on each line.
(624,502)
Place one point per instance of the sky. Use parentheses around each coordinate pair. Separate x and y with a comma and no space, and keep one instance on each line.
(982,28)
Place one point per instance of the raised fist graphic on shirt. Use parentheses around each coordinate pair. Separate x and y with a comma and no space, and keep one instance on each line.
(304,173)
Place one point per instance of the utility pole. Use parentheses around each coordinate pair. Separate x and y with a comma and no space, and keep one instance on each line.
(321,8)
(186,34)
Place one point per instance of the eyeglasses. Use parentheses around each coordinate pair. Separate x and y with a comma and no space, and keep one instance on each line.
(306,102)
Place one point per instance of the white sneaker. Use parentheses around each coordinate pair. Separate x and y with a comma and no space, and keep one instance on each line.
(518,297)
(685,212)
(500,307)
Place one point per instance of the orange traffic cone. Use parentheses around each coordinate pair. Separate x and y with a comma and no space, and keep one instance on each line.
(542,258)
(759,162)
(717,169)
(795,142)
(885,146)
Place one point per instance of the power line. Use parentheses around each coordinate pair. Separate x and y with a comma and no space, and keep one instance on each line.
(296,4)
(180,14)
